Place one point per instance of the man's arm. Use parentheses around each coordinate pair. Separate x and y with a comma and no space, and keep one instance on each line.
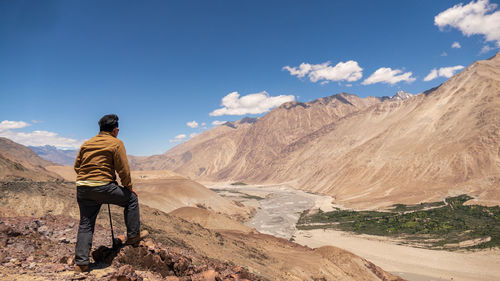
(78,161)
(121,165)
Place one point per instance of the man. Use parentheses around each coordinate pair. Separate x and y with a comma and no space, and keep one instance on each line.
(95,166)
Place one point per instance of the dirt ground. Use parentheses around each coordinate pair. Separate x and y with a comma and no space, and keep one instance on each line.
(414,264)
(408,262)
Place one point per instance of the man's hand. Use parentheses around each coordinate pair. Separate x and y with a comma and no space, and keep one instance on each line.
(133,191)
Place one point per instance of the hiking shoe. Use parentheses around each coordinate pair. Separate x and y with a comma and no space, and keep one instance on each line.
(136,239)
(81,268)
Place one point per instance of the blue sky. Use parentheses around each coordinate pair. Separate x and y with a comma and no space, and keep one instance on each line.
(162,64)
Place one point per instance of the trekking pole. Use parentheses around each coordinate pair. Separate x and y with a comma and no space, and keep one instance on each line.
(111,223)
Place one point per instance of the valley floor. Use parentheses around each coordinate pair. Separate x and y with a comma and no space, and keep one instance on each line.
(414,264)
(408,262)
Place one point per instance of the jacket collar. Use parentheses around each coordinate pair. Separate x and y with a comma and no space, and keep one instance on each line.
(104,133)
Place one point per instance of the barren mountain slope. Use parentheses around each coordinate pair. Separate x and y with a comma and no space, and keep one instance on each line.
(18,161)
(21,153)
(263,255)
(209,219)
(167,191)
(263,142)
(214,149)
(445,142)
(10,170)
(236,148)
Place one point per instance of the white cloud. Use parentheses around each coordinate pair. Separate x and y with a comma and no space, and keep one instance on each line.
(8,125)
(35,138)
(349,71)
(217,122)
(250,104)
(389,76)
(444,54)
(193,135)
(192,124)
(472,19)
(443,72)
(449,71)
(178,138)
(485,49)
(203,124)
(456,45)
(432,75)
(303,70)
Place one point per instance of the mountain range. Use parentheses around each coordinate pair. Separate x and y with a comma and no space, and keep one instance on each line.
(53,154)
(18,162)
(365,152)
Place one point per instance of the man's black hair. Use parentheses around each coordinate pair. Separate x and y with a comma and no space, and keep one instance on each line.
(108,122)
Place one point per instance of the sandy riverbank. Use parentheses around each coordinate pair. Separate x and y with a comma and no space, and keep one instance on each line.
(410,263)
(280,206)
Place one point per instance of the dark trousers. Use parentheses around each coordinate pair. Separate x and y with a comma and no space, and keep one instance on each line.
(90,200)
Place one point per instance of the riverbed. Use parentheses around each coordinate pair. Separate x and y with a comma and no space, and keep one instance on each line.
(278,206)
(278,210)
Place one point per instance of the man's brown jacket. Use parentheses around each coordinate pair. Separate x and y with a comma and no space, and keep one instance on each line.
(98,159)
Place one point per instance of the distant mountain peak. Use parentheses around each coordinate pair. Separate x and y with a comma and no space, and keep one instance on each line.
(401,95)
(56,155)
(341,97)
(248,120)
(292,104)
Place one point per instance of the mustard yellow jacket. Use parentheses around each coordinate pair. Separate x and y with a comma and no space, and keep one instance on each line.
(100,157)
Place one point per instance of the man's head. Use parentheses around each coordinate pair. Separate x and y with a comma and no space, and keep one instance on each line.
(109,123)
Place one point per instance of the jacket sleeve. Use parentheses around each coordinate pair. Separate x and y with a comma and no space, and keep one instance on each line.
(121,165)
(78,161)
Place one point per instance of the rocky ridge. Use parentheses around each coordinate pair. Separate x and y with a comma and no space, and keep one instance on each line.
(44,248)
(203,251)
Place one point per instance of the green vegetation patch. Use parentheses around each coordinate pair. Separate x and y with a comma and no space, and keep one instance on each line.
(238,183)
(433,224)
(417,207)
(236,193)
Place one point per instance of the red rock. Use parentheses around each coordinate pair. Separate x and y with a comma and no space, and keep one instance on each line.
(172,278)
(150,245)
(209,275)
(181,266)
(125,273)
(58,267)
